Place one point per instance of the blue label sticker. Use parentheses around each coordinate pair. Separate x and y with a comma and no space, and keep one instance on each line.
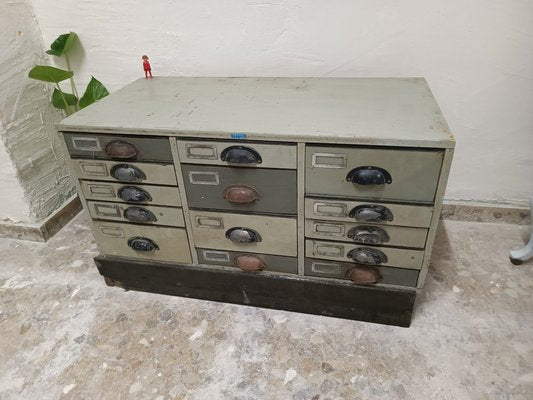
(238,135)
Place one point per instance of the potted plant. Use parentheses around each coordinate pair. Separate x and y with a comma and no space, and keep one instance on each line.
(68,102)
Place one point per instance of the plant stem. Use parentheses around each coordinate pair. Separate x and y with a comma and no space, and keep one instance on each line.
(67,107)
(72,85)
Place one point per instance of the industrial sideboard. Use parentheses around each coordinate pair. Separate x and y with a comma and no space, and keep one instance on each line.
(316,195)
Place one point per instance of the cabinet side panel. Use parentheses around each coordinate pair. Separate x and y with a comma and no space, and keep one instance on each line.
(441,188)
(301,208)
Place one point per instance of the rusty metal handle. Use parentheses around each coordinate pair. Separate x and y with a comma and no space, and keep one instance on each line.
(121,149)
(240,194)
(249,263)
(363,275)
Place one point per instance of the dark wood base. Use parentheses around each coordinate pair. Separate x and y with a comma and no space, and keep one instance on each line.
(371,304)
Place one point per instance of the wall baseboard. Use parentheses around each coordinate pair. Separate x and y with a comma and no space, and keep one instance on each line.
(485,212)
(45,229)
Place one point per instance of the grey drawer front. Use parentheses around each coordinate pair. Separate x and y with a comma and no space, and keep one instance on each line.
(159,174)
(112,239)
(276,188)
(338,251)
(332,269)
(414,174)
(273,263)
(208,152)
(278,234)
(90,145)
(391,235)
(339,210)
(168,216)
(109,191)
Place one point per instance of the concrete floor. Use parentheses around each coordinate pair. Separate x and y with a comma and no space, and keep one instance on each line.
(64,334)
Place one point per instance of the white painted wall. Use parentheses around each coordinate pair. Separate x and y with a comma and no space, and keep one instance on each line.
(476,54)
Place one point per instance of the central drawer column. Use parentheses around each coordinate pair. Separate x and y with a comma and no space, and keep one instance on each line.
(242,203)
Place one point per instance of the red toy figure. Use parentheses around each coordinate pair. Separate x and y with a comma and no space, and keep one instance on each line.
(146,66)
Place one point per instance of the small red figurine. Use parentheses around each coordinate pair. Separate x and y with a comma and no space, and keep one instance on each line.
(146,66)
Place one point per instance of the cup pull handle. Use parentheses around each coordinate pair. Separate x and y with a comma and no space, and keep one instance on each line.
(363,275)
(243,235)
(127,173)
(139,243)
(371,213)
(240,155)
(121,150)
(368,255)
(249,263)
(369,175)
(139,214)
(240,194)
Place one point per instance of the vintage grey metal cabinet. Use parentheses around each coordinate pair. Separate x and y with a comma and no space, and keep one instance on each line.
(315,195)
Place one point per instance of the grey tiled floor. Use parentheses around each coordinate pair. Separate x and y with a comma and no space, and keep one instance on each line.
(65,335)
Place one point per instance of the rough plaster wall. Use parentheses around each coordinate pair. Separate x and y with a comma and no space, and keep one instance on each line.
(476,54)
(11,196)
(27,120)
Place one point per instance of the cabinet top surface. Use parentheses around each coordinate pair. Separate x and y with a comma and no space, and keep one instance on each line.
(380,111)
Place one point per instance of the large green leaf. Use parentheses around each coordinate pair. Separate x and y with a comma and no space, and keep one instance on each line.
(95,91)
(49,74)
(58,102)
(62,44)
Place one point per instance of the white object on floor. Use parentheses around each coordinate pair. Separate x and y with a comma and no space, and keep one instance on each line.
(525,253)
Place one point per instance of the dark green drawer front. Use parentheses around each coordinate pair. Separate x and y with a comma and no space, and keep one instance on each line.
(226,258)
(276,188)
(97,146)
(333,269)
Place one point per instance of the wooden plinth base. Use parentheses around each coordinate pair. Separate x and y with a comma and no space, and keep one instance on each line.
(371,304)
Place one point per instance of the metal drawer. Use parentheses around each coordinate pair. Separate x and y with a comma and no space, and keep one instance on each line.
(340,270)
(382,174)
(171,244)
(139,214)
(270,235)
(264,190)
(388,256)
(162,174)
(361,233)
(271,155)
(369,212)
(118,147)
(125,193)
(288,265)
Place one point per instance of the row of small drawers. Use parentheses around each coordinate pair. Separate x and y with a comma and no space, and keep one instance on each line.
(208,194)
(171,244)
(359,235)
(411,175)
(334,223)
(275,236)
